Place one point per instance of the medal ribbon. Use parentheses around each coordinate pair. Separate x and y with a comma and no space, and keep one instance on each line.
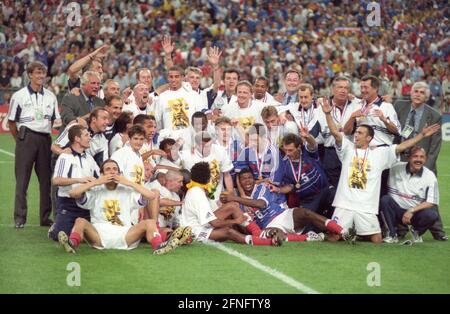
(361,165)
(296,178)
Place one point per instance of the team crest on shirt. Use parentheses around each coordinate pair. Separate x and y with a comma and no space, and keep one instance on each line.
(179,116)
(112,212)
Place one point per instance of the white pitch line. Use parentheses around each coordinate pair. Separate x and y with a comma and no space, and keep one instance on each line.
(7,153)
(270,271)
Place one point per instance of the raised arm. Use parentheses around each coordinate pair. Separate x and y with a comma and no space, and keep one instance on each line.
(83,188)
(308,138)
(326,108)
(78,65)
(214,59)
(146,193)
(168,48)
(426,132)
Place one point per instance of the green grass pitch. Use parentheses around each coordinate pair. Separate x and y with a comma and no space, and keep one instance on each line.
(31,263)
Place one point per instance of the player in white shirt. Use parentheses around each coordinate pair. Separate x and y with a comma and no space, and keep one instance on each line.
(208,224)
(143,103)
(98,146)
(176,106)
(275,130)
(413,197)
(112,199)
(128,157)
(72,167)
(217,158)
(228,95)
(193,75)
(244,112)
(170,203)
(380,115)
(260,92)
(303,113)
(357,195)
(123,123)
(199,123)
(149,150)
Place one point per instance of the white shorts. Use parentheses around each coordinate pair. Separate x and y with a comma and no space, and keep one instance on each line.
(202,233)
(284,221)
(365,223)
(113,237)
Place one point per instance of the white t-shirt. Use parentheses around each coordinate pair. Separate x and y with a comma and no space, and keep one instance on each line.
(268,100)
(196,210)
(130,164)
(117,207)
(175,108)
(219,162)
(246,116)
(135,110)
(165,193)
(359,186)
(116,143)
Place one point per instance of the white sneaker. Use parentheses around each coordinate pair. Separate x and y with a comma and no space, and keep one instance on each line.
(416,238)
(390,239)
(312,236)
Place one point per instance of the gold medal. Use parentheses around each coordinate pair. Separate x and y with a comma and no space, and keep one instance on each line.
(359,175)
(297,185)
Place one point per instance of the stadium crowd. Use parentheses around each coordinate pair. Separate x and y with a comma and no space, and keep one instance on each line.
(252,121)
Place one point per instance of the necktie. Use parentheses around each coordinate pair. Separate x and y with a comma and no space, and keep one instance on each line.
(412,119)
(90,103)
(288,100)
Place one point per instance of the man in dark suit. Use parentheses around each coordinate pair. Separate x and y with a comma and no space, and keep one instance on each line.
(79,107)
(414,115)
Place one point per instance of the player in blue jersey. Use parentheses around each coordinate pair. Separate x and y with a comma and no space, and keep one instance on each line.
(268,205)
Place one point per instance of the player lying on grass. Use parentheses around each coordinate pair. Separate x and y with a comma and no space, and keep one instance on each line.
(216,225)
(271,212)
(112,199)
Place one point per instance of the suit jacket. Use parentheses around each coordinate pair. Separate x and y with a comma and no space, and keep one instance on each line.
(73,106)
(432,144)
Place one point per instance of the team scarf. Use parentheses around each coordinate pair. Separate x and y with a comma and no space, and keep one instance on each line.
(193,184)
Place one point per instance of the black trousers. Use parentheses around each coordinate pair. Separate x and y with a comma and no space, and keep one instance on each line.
(32,150)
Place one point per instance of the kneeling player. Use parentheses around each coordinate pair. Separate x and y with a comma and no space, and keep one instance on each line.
(271,212)
(112,199)
(197,212)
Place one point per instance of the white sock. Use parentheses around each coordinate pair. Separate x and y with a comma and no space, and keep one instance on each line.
(248,240)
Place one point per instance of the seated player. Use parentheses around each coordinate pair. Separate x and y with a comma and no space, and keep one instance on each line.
(112,199)
(218,225)
(271,212)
